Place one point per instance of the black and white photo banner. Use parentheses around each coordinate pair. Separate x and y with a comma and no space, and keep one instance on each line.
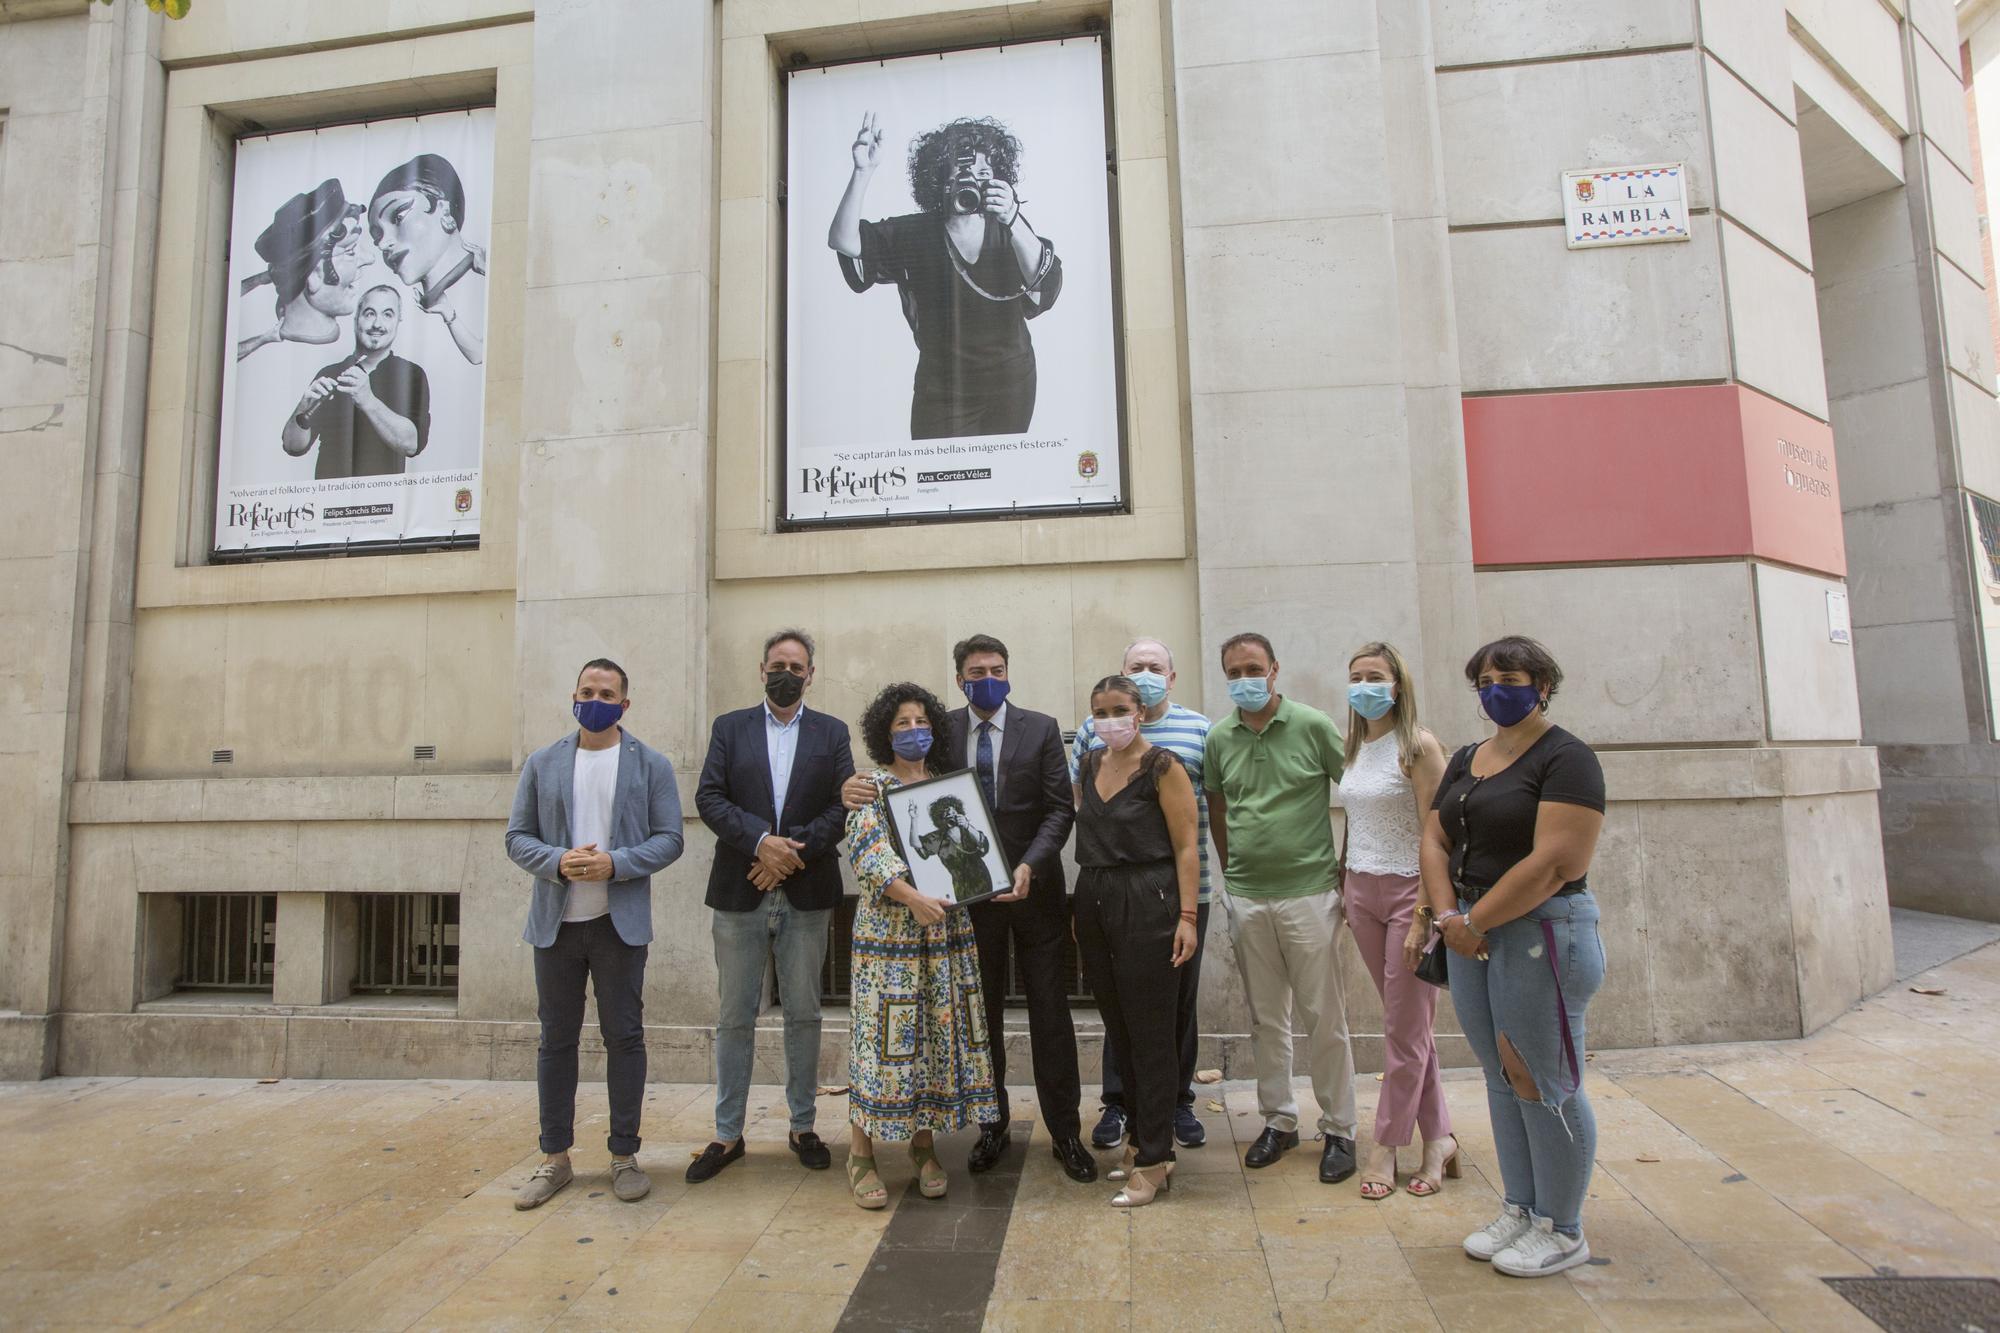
(353,393)
(951,345)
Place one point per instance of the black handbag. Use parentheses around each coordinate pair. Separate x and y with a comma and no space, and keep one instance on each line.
(1431,966)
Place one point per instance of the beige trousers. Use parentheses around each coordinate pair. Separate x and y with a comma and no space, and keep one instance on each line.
(1287,949)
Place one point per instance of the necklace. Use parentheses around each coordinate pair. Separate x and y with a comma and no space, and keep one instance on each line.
(1511,750)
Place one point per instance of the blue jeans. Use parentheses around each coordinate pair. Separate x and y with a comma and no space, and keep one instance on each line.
(1546,1148)
(744,942)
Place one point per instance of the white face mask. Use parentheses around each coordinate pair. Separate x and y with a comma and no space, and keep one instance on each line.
(1117,732)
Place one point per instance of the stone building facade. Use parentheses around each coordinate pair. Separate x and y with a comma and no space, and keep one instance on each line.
(1370,392)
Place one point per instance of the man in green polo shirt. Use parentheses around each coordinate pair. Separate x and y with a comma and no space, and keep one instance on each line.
(1269,768)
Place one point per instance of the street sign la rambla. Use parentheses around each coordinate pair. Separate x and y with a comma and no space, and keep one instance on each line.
(1625,205)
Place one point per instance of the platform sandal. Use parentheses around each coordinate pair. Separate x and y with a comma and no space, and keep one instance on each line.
(931,1179)
(861,1170)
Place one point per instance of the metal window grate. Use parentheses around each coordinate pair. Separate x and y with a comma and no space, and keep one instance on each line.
(229,941)
(408,944)
(836,977)
(1986,515)
(425,754)
(222,756)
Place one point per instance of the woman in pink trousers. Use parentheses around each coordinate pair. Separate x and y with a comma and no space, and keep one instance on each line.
(1393,767)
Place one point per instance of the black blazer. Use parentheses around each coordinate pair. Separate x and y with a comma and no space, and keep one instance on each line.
(734,800)
(1037,803)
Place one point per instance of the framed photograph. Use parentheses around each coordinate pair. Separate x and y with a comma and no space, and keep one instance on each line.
(947,837)
(354,381)
(951,288)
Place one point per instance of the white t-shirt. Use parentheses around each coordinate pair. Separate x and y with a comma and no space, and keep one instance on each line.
(592,786)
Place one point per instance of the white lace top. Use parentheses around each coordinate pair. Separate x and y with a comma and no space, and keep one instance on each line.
(1381,811)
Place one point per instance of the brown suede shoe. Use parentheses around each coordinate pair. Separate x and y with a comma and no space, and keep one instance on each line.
(542,1186)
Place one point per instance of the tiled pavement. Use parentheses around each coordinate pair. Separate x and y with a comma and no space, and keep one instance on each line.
(1731,1180)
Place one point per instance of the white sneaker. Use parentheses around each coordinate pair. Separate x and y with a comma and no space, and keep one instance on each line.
(1542,1250)
(1498,1234)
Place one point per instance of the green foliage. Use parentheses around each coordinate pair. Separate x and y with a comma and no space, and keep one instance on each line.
(173,9)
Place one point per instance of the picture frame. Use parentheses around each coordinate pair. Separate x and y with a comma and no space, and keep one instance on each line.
(947,837)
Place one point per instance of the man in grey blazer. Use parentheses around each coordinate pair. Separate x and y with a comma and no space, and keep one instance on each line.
(595,817)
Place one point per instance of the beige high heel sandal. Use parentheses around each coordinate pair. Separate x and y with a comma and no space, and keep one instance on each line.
(1437,1165)
(1375,1185)
(1123,1170)
(1145,1184)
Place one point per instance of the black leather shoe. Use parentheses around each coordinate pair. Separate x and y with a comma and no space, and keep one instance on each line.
(1270,1146)
(1336,1160)
(1189,1132)
(986,1153)
(713,1158)
(811,1150)
(1077,1163)
(1110,1131)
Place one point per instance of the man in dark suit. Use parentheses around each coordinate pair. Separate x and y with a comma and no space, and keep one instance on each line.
(1017,757)
(770,792)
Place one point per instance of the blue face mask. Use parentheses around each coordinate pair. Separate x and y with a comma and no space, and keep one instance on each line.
(1250,693)
(1508,704)
(912,744)
(1371,698)
(596,714)
(1152,687)
(986,693)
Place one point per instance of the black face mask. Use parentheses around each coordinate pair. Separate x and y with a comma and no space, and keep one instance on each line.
(783,688)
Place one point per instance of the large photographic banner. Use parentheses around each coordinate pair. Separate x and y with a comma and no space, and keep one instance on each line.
(951,344)
(353,393)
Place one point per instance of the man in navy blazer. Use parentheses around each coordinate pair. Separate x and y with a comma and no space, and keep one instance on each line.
(770,792)
(596,816)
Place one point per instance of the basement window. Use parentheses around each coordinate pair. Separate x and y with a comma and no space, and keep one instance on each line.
(229,941)
(408,944)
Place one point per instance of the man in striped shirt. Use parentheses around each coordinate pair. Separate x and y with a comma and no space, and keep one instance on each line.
(1183,732)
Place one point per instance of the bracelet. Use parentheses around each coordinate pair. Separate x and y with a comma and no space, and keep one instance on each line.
(1477,933)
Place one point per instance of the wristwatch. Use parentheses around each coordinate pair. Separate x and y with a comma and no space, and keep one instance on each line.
(1426,913)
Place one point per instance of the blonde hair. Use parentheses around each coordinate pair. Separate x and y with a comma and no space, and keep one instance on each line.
(1404,712)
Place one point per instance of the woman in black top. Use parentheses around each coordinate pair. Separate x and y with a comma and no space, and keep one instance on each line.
(969,268)
(1505,848)
(1140,873)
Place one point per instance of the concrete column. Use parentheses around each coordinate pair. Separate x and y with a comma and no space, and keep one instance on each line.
(616,415)
(1323,362)
(307,967)
(83,94)
(1927,436)
(1303,359)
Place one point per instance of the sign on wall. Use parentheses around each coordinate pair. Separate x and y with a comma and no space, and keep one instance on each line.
(1626,205)
(951,344)
(354,383)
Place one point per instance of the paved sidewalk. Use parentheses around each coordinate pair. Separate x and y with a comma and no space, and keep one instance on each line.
(1731,1179)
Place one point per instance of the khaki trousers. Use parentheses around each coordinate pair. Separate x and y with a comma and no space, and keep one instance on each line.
(1287,950)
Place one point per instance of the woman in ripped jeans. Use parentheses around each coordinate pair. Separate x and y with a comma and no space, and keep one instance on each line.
(1508,839)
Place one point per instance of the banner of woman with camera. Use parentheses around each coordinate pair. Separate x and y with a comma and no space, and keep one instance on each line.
(354,384)
(951,336)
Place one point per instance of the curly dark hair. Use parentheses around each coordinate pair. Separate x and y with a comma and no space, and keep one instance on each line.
(882,711)
(933,155)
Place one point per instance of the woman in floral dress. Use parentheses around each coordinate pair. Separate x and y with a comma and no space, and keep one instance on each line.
(918,1060)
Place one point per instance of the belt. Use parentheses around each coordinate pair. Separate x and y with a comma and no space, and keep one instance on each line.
(1472,893)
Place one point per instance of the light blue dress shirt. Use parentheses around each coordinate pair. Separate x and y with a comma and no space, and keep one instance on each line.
(781,747)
